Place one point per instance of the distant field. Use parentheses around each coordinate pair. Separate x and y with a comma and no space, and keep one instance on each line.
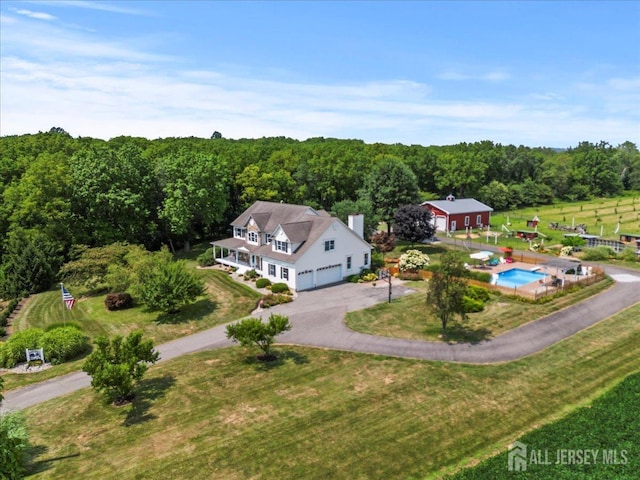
(598,215)
(319,414)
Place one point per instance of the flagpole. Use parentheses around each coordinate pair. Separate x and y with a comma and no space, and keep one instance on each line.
(64,315)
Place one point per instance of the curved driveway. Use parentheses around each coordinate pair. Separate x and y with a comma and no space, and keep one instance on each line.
(318,320)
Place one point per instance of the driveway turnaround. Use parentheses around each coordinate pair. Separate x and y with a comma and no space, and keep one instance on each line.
(317,318)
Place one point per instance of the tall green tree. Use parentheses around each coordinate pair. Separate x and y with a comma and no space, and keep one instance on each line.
(30,262)
(344,208)
(447,288)
(390,184)
(196,190)
(166,285)
(117,366)
(113,196)
(459,172)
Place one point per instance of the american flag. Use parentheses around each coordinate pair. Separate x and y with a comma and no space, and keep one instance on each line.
(67,298)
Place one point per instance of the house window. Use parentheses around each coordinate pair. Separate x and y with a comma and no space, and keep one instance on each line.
(268,239)
(479,220)
(348,263)
(284,273)
(252,237)
(238,232)
(272,270)
(282,246)
(466,221)
(366,259)
(329,245)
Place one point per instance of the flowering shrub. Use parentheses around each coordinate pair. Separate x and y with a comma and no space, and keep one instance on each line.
(413,260)
(566,251)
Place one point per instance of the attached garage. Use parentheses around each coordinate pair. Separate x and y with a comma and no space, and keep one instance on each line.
(328,274)
(304,280)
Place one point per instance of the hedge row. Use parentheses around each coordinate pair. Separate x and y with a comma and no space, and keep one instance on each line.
(59,344)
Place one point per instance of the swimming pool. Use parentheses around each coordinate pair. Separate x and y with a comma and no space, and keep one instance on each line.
(516,277)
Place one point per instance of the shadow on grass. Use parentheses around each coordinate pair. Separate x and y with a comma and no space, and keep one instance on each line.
(148,391)
(195,311)
(40,466)
(282,357)
(457,333)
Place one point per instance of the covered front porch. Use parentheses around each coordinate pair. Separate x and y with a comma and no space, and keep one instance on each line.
(226,252)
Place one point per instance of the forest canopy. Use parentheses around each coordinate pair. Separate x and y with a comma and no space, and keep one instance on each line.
(58,191)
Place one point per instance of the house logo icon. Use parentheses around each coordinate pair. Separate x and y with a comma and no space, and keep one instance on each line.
(517,457)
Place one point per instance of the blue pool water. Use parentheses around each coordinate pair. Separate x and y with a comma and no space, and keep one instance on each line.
(516,277)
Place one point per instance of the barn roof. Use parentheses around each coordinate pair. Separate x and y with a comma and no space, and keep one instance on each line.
(463,205)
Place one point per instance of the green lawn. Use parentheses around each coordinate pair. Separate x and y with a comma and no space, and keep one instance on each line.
(409,317)
(325,414)
(609,430)
(226,300)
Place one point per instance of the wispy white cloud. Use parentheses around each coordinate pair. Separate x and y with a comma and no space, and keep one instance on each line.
(493,76)
(119,7)
(30,14)
(51,75)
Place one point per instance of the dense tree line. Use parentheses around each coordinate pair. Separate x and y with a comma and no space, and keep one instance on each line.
(58,191)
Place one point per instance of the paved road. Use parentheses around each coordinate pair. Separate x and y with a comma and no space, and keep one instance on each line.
(317,319)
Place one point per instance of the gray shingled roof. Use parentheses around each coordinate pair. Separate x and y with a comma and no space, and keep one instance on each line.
(272,214)
(463,205)
(299,223)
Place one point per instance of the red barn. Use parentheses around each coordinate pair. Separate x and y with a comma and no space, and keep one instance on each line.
(450,215)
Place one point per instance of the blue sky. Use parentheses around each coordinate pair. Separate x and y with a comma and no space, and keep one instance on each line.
(536,73)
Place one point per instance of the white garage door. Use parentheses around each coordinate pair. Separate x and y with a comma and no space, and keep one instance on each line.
(441,224)
(304,280)
(328,274)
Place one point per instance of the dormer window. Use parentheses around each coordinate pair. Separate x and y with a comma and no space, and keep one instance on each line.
(239,232)
(268,239)
(282,246)
(252,237)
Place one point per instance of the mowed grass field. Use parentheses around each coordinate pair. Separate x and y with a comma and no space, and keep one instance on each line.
(319,414)
(409,317)
(226,300)
(598,214)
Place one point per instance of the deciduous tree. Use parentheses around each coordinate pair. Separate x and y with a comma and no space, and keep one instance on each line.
(391,183)
(116,366)
(165,285)
(252,331)
(447,289)
(413,223)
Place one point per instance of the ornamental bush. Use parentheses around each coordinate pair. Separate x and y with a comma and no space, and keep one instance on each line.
(118,301)
(59,344)
(63,343)
(263,282)
(478,293)
(275,299)
(279,288)
(205,259)
(14,441)
(471,305)
(13,351)
(413,260)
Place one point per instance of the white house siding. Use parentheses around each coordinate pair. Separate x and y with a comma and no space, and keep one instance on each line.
(291,282)
(317,260)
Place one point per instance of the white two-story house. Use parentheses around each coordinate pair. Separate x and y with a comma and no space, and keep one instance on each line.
(295,244)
